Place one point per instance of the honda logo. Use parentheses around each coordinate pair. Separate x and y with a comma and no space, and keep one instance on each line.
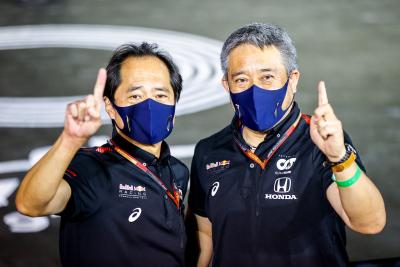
(282,185)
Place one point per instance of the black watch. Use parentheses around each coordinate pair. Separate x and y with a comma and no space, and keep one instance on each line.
(349,151)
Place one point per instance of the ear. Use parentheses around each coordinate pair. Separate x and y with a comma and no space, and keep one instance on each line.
(225,84)
(109,108)
(293,80)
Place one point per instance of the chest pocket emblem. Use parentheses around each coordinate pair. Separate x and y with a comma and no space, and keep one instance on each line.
(284,164)
(215,188)
(135,214)
(282,185)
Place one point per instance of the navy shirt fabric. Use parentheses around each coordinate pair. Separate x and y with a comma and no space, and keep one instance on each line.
(277,216)
(117,215)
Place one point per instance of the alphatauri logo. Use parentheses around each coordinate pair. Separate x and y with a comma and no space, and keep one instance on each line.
(285,164)
(215,188)
(135,214)
(281,186)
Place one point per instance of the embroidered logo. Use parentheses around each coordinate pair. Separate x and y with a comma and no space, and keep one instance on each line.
(102,150)
(215,188)
(282,186)
(135,214)
(284,164)
(224,164)
(131,191)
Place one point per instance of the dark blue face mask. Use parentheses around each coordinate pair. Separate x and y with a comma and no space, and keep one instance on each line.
(147,122)
(260,109)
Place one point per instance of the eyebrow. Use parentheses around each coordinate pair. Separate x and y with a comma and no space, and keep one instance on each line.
(134,88)
(260,70)
(268,70)
(163,89)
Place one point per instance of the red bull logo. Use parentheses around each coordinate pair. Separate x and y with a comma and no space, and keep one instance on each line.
(139,188)
(125,187)
(132,191)
(218,164)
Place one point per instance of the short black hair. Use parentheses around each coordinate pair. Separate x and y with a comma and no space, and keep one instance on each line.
(139,50)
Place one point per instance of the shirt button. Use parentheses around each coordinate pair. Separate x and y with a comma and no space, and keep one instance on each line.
(144,164)
(252,165)
(278,135)
(165,196)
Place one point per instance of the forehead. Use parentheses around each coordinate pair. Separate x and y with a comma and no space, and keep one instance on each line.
(248,56)
(143,68)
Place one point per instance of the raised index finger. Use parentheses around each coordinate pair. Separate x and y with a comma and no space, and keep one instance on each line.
(99,86)
(322,95)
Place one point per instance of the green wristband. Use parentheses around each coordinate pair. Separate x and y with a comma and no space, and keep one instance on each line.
(349,181)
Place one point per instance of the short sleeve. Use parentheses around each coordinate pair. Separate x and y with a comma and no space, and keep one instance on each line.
(197,193)
(84,176)
(326,170)
(181,173)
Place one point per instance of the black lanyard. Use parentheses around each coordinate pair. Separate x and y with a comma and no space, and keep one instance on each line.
(174,196)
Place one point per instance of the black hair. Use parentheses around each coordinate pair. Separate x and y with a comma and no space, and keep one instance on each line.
(139,50)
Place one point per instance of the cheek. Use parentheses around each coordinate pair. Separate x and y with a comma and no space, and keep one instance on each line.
(119,121)
(113,114)
(288,99)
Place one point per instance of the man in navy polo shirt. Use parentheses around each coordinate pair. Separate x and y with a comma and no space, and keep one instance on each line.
(262,189)
(121,203)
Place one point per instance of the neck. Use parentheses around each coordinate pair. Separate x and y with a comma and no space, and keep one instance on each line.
(254,138)
(152,149)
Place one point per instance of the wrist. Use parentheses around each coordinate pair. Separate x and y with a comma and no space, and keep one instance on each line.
(340,156)
(346,161)
(71,142)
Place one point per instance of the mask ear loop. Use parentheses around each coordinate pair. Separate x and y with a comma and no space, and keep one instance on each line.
(114,123)
(128,123)
(170,122)
(294,94)
(277,106)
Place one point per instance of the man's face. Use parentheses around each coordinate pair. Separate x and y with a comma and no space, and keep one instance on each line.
(249,65)
(141,78)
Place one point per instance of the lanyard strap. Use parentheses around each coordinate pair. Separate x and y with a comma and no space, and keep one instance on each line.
(254,157)
(174,196)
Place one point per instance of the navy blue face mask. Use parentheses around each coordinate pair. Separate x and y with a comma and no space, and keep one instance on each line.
(260,109)
(147,122)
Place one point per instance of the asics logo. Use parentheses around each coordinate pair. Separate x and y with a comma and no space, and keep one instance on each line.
(215,188)
(135,214)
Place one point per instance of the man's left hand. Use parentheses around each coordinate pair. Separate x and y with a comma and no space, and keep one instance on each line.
(326,130)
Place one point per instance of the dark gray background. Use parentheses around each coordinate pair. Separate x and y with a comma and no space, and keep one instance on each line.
(352,45)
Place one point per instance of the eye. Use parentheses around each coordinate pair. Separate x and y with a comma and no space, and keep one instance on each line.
(240,81)
(135,97)
(267,77)
(161,96)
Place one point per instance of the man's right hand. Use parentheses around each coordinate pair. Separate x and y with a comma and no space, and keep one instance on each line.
(82,118)
(43,190)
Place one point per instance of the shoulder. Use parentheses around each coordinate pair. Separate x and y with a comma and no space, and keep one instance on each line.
(88,159)
(213,142)
(97,153)
(180,168)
